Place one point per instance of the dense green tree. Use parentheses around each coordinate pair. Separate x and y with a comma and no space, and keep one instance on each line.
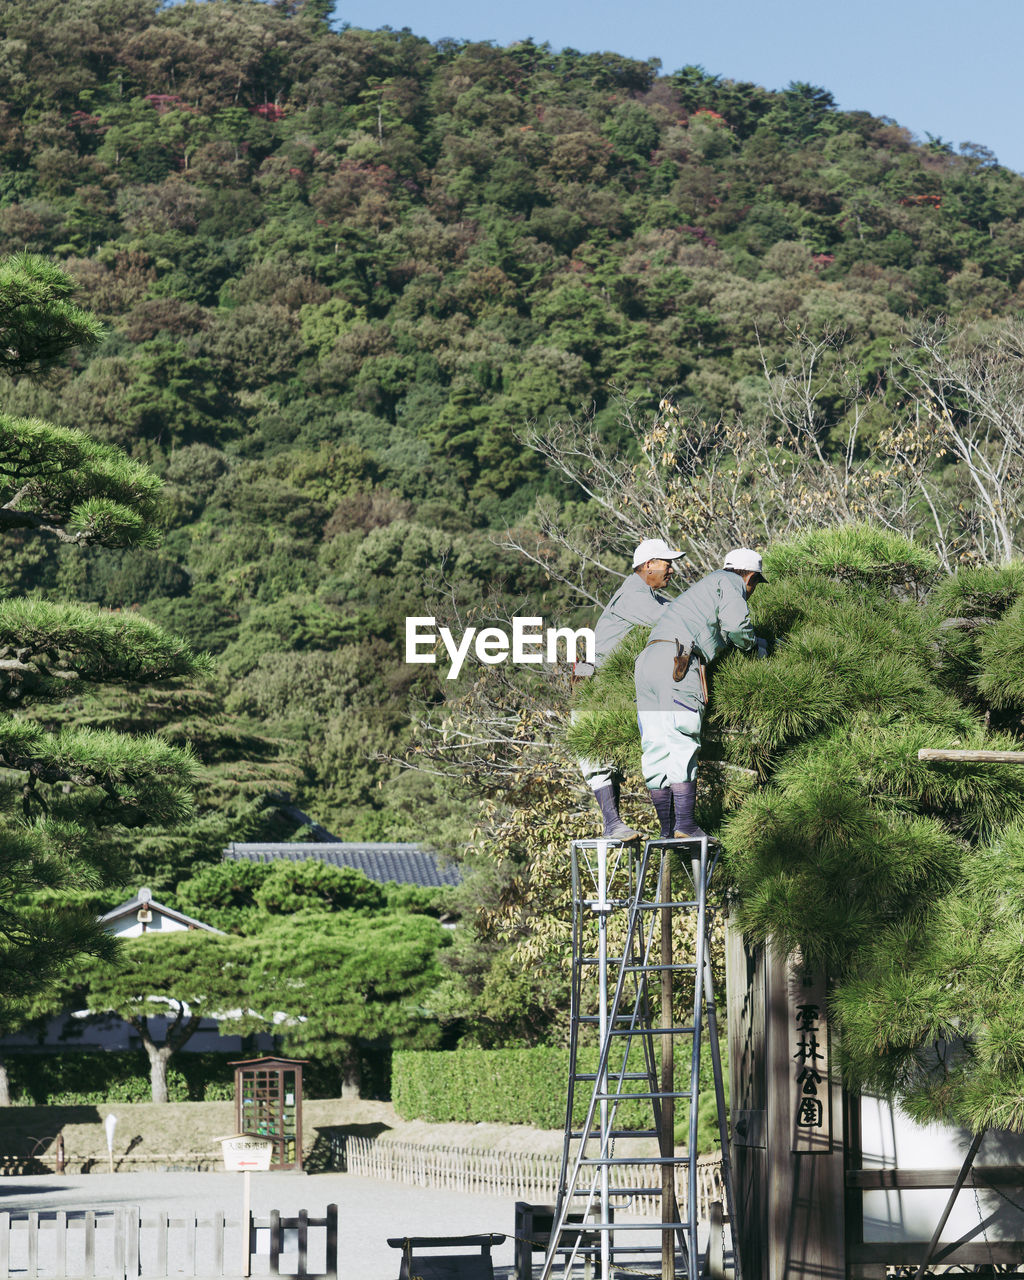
(65,787)
(295,887)
(179,978)
(368,980)
(895,876)
(334,262)
(241,896)
(223,894)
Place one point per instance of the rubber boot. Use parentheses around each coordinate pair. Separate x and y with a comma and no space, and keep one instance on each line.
(661,798)
(684,794)
(614,827)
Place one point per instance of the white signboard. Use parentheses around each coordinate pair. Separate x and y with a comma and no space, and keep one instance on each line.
(245,1151)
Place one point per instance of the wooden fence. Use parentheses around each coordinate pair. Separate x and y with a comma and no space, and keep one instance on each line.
(121,1243)
(522,1176)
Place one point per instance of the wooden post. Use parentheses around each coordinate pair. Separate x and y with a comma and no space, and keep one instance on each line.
(789,1202)
(119,1224)
(33,1242)
(275,1242)
(745,983)
(715,1267)
(163,1224)
(89,1268)
(332,1242)
(191,1225)
(60,1264)
(303,1242)
(667,1142)
(219,1228)
(246,1224)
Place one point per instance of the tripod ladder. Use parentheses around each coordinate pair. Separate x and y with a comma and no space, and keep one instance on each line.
(622,957)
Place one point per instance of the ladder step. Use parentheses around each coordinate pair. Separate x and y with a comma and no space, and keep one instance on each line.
(626,1075)
(640,1097)
(614,963)
(648,1224)
(596,1017)
(659,906)
(619,1017)
(652,1031)
(615,1133)
(631,1191)
(634,1249)
(659,968)
(641,1030)
(637,1160)
(641,1226)
(627,1251)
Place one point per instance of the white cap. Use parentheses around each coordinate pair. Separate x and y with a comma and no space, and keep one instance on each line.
(653,549)
(745,560)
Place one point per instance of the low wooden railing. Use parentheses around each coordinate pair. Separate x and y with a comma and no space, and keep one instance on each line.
(122,1244)
(520,1175)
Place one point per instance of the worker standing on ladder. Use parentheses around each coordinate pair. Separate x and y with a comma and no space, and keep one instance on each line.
(637,603)
(671,684)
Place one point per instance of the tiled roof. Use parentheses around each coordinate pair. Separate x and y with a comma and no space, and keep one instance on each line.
(403,863)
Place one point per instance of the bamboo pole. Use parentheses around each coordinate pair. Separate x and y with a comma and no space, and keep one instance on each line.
(972,757)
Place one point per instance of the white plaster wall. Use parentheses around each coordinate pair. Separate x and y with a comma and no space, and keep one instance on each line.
(891,1140)
(109,1032)
(130,927)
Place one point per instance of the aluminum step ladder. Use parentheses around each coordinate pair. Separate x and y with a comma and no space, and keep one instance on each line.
(622,963)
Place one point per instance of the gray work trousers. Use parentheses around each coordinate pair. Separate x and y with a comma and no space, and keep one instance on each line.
(670,716)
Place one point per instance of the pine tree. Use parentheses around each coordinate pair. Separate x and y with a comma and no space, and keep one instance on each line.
(65,791)
(902,879)
(180,978)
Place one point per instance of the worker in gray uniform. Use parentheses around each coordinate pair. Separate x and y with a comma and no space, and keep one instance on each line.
(671,685)
(637,603)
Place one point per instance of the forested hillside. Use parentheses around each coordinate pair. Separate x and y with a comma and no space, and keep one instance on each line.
(339,269)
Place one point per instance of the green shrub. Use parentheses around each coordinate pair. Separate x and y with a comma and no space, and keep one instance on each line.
(300,886)
(497,1086)
(520,1086)
(80,1077)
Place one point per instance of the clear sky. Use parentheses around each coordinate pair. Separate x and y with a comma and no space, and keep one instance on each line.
(949,69)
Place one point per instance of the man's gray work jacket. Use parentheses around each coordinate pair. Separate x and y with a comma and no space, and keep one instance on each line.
(712,615)
(635,604)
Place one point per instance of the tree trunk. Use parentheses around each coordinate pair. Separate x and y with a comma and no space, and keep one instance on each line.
(160,1054)
(5,1085)
(351,1083)
(158,1059)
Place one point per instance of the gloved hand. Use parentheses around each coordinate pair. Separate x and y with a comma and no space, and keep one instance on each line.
(583,670)
(762,648)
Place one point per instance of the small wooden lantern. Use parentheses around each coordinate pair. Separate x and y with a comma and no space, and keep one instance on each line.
(268,1104)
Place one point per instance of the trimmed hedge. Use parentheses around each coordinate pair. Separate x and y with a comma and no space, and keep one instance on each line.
(78,1077)
(498,1086)
(526,1086)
